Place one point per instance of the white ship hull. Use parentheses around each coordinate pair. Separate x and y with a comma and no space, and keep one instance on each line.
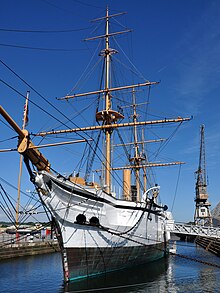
(114,234)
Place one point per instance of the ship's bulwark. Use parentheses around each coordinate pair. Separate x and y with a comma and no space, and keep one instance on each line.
(88,262)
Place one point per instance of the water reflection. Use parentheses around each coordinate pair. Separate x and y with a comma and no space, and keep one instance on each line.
(136,279)
(173,274)
(194,276)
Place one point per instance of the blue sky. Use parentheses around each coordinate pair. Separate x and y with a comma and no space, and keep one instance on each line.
(174,42)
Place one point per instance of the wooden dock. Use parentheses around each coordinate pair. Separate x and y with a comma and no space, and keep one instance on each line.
(211,244)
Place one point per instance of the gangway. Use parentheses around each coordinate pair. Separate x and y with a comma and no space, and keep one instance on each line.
(193,230)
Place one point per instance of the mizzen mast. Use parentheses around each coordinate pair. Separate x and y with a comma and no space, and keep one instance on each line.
(136,159)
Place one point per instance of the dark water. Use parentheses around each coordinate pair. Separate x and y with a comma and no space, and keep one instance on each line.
(174,274)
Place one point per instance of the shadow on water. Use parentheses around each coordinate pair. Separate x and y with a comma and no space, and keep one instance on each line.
(129,280)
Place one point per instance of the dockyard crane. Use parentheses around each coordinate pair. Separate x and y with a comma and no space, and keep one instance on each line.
(202,212)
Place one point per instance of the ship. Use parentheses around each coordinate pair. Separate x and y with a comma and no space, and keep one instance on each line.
(102,228)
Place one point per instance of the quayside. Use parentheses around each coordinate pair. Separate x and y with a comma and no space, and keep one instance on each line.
(107,212)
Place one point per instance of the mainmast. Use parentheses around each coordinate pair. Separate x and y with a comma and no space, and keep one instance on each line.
(107,108)
(202,212)
(108,116)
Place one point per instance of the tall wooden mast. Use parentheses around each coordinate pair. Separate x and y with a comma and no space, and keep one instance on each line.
(107,108)
(137,159)
(108,115)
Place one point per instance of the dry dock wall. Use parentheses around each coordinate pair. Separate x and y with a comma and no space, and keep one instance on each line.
(209,243)
(27,249)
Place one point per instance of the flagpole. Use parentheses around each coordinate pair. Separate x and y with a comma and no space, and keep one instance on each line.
(25,121)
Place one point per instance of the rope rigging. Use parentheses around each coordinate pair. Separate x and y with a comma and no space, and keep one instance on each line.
(24,212)
(40,48)
(177,184)
(91,158)
(43,31)
(42,109)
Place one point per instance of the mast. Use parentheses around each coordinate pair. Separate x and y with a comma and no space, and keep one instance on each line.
(108,115)
(144,168)
(136,152)
(107,108)
(137,158)
(202,211)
